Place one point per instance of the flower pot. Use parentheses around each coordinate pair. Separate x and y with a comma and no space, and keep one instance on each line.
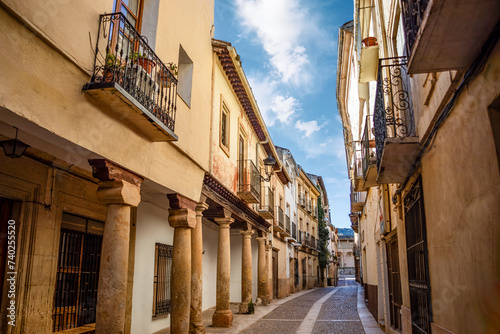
(146,63)
(369,41)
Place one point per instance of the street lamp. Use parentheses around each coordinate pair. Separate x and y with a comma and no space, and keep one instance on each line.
(14,148)
(269,163)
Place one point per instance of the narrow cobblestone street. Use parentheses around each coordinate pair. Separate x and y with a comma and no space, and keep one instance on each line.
(321,311)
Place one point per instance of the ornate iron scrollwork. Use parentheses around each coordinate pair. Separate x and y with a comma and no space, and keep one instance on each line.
(393,114)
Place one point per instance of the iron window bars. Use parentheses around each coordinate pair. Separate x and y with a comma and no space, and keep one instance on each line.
(161,283)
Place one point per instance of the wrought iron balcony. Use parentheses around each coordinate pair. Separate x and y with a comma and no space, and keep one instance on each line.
(357,200)
(446,35)
(312,243)
(368,155)
(280,219)
(248,181)
(308,205)
(287,225)
(356,164)
(395,141)
(305,238)
(302,200)
(266,206)
(132,81)
(294,231)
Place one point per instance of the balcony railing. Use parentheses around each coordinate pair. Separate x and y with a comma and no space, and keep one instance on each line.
(393,116)
(395,136)
(413,15)
(368,151)
(305,238)
(287,224)
(124,63)
(248,181)
(280,220)
(302,200)
(266,206)
(308,205)
(312,242)
(357,200)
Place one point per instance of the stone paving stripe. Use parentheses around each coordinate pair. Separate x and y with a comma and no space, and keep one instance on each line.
(308,324)
(335,320)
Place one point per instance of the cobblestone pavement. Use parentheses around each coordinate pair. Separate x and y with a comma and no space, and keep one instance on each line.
(322,311)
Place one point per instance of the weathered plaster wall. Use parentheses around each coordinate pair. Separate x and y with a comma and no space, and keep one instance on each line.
(461,183)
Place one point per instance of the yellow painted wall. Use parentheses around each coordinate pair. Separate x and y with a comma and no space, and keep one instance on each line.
(41,85)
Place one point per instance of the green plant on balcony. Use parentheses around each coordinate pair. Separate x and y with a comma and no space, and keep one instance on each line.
(143,60)
(112,66)
(164,77)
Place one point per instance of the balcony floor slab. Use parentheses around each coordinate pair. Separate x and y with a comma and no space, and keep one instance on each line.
(397,158)
(122,105)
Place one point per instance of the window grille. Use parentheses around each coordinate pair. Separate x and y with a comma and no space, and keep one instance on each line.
(75,296)
(162,273)
(418,262)
(395,298)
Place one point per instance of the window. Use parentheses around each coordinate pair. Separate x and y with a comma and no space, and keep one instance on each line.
(161,285)
(224,127)
(75,297)
(185,76)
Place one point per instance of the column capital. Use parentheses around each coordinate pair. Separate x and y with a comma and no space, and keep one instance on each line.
(105,170)
(224,222)
(261,240)
(178,201)
(183,217)
(268,247)
(200,207)
(247,234)
(119,192)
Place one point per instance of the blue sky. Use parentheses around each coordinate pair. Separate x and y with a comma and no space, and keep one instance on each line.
(288,49)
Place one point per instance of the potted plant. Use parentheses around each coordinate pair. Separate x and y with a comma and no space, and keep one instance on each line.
(369,41)
(112,67)
(166,78)
(143,60)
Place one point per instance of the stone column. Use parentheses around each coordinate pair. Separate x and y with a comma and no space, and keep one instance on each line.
(120,189)
(261,271)
(196,321)
(246,270)
(269,273)
(223,317)
(182,218)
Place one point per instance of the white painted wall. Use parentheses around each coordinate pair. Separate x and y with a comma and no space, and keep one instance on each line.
(210,245)
(152,226)
(235,281)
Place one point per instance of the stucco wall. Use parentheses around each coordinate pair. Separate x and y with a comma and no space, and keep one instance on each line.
(42,86)
(461,184)
(152,227)
(210,245)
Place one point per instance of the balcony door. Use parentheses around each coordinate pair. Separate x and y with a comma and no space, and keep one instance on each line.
(132,9)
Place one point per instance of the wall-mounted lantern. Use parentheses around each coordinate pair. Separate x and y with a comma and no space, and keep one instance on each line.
(14,148)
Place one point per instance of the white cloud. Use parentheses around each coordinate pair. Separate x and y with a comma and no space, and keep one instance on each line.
(274,105)
(307,127)
(279,26)
(284,107)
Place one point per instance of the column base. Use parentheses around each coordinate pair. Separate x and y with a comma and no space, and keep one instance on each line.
(197,328)
(222,318)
